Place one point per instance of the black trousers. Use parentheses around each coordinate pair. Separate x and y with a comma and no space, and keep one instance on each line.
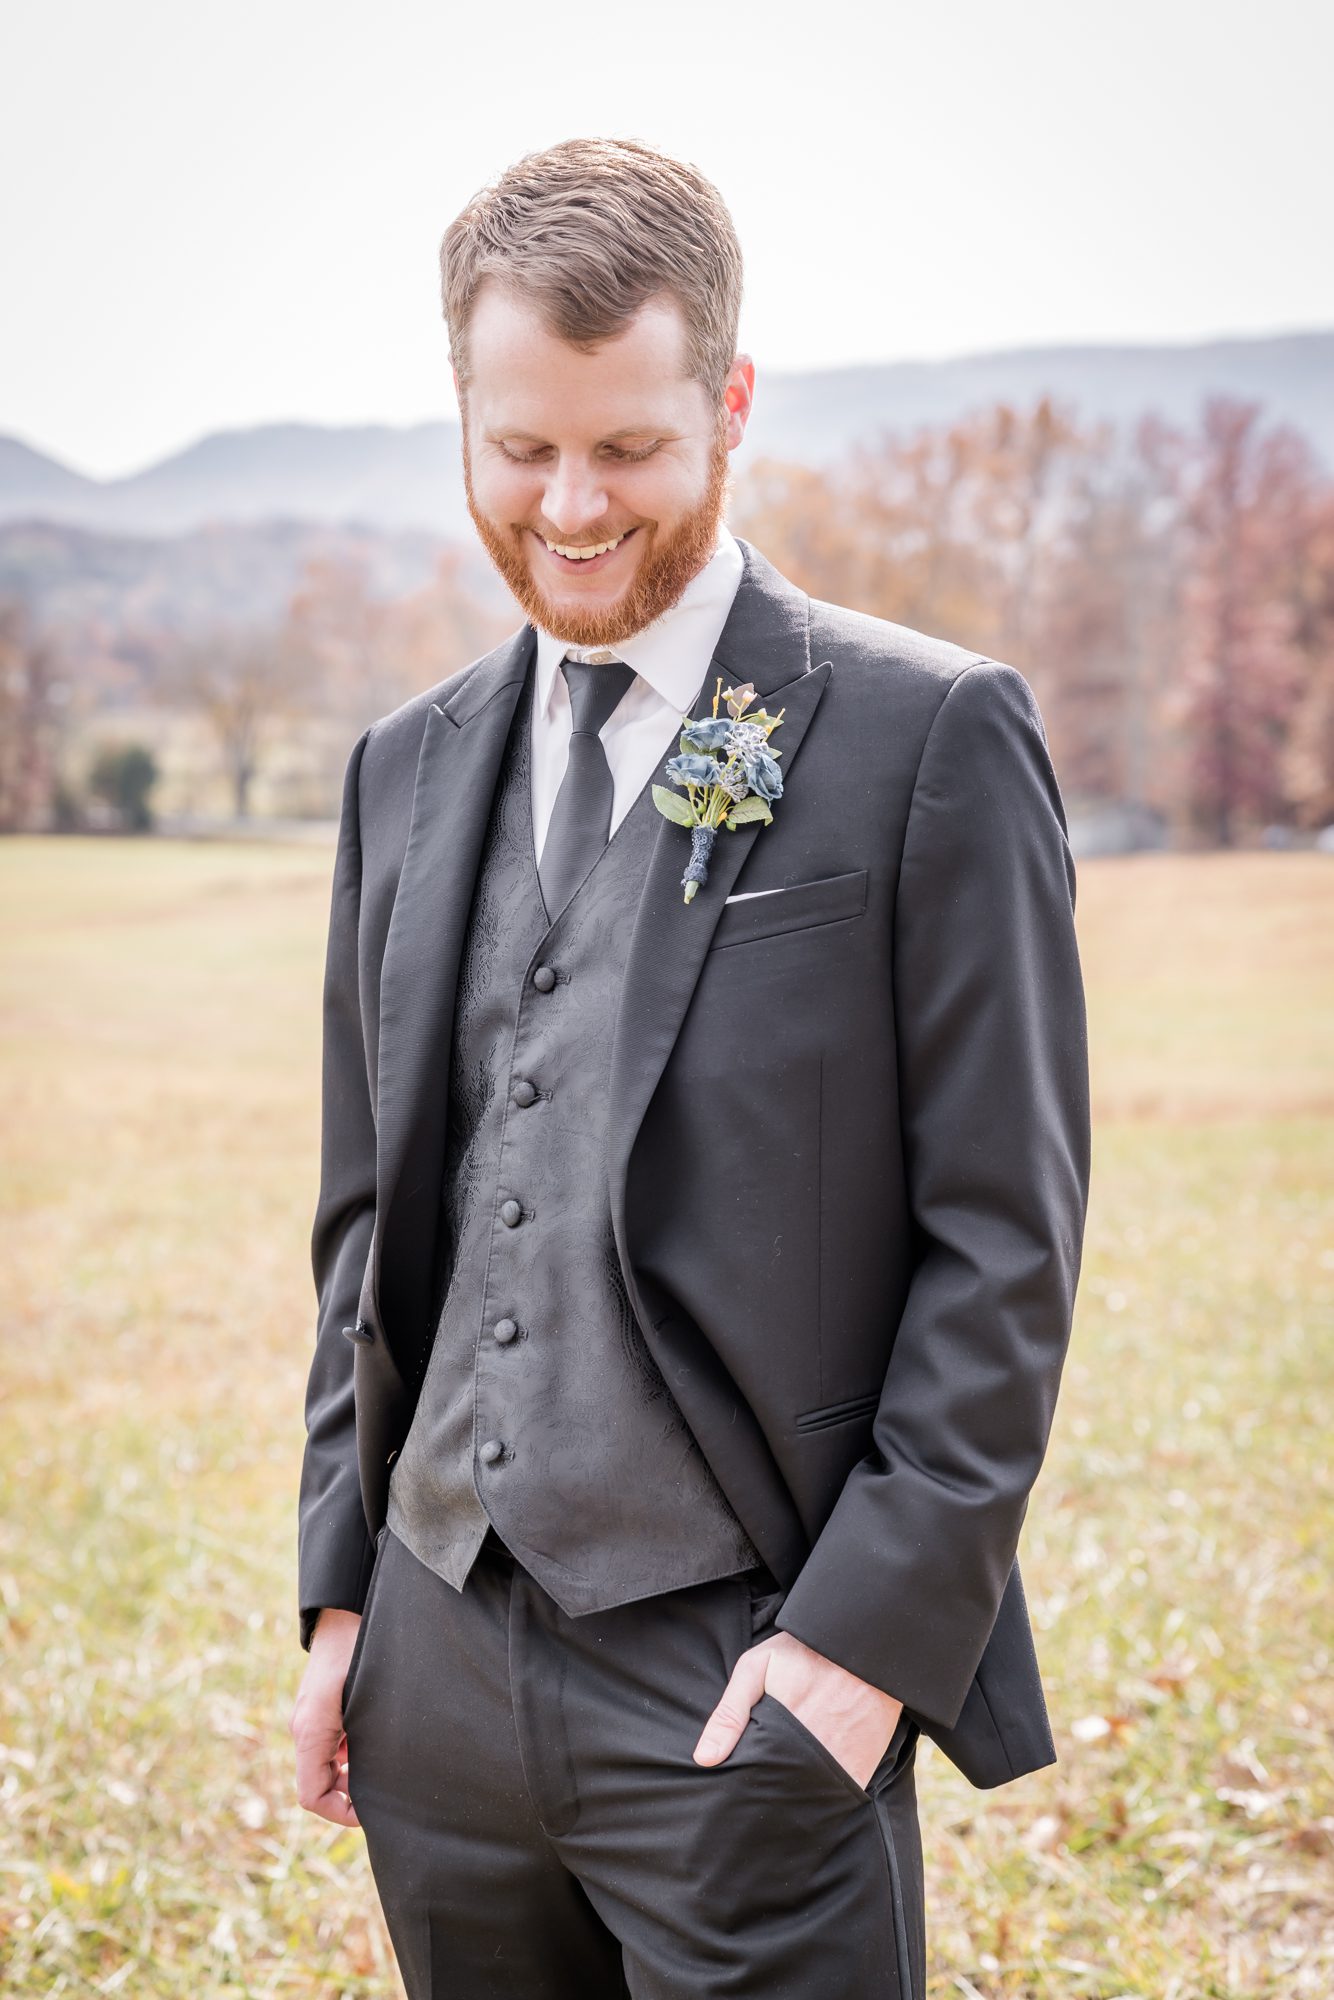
(537,1826)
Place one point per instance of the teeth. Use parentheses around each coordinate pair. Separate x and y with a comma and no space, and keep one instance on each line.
(584,554)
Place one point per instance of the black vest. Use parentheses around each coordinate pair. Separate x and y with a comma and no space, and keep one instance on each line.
(542,1411)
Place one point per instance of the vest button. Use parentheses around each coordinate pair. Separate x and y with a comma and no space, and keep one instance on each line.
(505,1330)
(544,979)
(524,1092)
(510,1212)
(491,1451)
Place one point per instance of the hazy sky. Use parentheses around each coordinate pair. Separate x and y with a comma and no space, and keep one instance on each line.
(226,212)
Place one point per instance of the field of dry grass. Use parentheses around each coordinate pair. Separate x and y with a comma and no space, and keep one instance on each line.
(159,1030)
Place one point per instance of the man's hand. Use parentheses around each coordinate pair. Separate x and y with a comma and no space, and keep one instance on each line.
(317,1720)
(853,1720)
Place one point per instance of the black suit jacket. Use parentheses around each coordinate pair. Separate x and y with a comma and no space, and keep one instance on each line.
(849,1141)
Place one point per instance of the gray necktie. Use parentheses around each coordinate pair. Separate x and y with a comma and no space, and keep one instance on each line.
(581,816)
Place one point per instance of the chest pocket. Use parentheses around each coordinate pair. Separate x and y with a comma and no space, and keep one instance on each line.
(802,906)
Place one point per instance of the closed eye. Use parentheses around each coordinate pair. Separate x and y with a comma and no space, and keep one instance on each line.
(610,451)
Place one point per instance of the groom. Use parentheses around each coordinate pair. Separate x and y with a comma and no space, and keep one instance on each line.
(694,1277)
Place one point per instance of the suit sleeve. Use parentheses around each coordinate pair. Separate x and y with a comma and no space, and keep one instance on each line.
(905,1580)
(335,1549)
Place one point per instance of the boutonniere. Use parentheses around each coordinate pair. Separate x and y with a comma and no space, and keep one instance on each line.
(729,775)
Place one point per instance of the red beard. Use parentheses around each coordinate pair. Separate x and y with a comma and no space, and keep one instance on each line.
(659,579)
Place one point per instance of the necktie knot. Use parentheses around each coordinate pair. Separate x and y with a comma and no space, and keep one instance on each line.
(596,686)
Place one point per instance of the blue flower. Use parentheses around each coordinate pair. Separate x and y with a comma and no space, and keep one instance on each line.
(763,775)
(692,770)
(711,733)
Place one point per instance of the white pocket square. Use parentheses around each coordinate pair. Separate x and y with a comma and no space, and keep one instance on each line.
(745,894)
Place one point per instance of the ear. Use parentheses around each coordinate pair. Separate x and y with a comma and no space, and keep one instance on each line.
(738,398)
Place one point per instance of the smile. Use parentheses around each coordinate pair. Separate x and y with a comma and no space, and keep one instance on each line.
(580,556)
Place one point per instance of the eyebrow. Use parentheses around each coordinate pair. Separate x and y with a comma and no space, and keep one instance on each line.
(612,437)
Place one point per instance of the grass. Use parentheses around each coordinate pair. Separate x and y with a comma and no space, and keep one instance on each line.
(159,1052)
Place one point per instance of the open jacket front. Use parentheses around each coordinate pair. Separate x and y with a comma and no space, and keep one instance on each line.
(849,1140)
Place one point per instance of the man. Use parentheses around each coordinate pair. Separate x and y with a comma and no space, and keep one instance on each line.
(694,1276)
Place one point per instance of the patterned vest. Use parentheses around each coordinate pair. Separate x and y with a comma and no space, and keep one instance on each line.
(542,1411)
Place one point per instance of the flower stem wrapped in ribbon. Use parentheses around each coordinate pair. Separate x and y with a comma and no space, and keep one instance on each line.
(728,773)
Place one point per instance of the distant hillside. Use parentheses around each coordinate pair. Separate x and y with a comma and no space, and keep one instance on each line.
(374,476)
(815,417)
(402,479)
(106,594)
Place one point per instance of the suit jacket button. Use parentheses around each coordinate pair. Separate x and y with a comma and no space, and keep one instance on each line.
(359,1332)
(510,1213)
(505,1330)
(492,1450)
(544,979)
(524,1092)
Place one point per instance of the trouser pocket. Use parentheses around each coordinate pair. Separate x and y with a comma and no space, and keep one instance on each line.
(359,1644)
(764,1601)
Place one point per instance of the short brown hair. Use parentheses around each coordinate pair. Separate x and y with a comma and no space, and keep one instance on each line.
(589,230)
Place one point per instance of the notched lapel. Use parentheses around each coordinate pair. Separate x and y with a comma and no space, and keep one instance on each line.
(463,742)
(766,640)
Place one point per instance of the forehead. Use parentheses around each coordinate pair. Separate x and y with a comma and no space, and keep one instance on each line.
(524,375)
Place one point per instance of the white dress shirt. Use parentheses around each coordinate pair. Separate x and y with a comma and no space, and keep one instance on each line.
(670,657)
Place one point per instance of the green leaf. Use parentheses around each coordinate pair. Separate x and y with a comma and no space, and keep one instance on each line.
(673,805)
(749,809)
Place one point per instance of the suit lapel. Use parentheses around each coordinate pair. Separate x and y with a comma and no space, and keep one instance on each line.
(457,767)
(766,640)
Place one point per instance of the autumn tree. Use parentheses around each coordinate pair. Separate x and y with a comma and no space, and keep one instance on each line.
(368,654)
(1247,509)
(969,531)
(31,718)
(246,682)
(1308,759)
(1108,620)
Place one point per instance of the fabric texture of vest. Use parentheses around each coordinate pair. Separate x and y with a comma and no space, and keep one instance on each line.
(542,1412)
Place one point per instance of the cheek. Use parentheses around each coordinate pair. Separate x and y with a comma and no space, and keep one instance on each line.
(669,494)
(506,495)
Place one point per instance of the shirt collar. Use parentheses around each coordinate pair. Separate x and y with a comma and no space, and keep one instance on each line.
(673,653)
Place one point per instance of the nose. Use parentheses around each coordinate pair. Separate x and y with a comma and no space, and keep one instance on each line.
(574,498)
